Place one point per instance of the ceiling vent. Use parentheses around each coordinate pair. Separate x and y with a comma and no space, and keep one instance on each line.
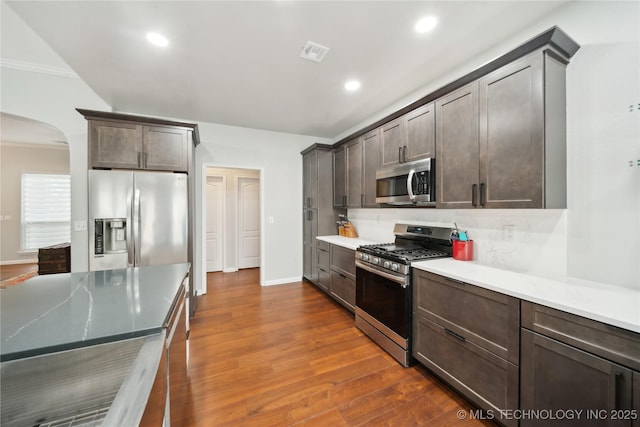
(314,52)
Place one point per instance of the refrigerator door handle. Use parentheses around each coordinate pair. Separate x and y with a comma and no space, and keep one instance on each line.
(136,226)
(129,231)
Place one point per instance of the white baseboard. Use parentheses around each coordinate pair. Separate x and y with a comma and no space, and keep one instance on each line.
(20,261)
(229,270)
(282,281)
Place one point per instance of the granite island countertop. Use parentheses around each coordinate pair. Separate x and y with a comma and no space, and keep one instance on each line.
(64,311)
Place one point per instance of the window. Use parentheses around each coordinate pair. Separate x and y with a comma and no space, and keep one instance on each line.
(46,210)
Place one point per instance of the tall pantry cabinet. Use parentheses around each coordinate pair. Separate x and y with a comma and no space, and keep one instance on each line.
(318,215)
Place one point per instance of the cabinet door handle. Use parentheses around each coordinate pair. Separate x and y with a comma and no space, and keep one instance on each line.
(399,154)
(139,159)
(309,215)
(482,194)
(459,282)
(617,390)
(361,200)
(456,336)
(344,200)
(404,154)
(308,202)
(146,160)
(473,195)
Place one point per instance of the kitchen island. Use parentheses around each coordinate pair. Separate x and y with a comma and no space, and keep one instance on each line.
(70,342)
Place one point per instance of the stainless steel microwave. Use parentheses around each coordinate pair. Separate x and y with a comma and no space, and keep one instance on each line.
(407,183)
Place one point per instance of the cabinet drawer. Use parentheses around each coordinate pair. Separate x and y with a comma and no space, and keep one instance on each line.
(555,376)
(343,289)
(486,379)
(324,278)
(486,318)
(615,344)
(324,246)
(343,260)
(323,258)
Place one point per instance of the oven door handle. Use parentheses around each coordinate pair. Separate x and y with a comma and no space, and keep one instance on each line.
(400,280)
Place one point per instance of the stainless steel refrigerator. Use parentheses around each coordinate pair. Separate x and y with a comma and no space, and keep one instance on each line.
(137,219)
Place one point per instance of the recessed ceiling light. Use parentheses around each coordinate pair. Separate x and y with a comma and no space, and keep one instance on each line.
(157,39)
(352,85)
(426,24)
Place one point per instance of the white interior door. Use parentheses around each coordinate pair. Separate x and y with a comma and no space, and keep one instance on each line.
(215,221)
(248,222)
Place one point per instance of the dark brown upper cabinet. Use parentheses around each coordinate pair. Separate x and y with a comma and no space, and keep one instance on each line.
(393,138)
(457,159)
(501,140)
(354,157)
(410,137)
(421,136)
(370,163)
(340,177)
(123,141)
(361,159)
(117,145)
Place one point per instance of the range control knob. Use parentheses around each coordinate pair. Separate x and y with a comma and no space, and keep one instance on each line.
(365,257)
(386,264)
(376,260)
(394,267)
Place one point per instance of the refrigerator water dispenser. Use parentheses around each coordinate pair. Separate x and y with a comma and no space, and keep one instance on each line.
(110,236)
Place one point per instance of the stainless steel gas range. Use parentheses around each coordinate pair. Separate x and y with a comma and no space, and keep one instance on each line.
(383,284)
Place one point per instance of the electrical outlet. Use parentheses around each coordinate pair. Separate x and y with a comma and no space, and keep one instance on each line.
(271,220)
(509,233)
(80,226)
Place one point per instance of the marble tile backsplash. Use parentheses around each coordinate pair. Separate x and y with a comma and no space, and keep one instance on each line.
(523,240)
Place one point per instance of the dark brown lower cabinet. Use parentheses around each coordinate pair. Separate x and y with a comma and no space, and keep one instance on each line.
(561,385)
(636,398)
(487,380)
(323,265)
(343,276)
(343,290)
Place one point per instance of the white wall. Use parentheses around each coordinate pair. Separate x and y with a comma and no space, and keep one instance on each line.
(51,98)
(16,159)
(598,237)
(277,156)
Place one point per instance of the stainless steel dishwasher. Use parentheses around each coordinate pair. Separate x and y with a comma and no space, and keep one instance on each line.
(176,345)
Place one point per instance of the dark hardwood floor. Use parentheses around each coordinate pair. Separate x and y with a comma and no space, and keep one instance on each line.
(13,270)
(288,355)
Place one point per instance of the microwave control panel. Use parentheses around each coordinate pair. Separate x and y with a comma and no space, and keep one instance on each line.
(421,183)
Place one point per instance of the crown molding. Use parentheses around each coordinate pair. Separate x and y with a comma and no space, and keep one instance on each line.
(38,68)
(57,145)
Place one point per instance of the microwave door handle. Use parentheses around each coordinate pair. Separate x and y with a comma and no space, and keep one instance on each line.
(412,196)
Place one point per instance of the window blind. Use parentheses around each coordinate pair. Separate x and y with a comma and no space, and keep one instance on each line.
(46,210)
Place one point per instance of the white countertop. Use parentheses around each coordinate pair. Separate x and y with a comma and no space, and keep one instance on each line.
(346,242)
(613,305)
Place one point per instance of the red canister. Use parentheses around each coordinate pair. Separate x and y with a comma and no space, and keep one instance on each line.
(463,250)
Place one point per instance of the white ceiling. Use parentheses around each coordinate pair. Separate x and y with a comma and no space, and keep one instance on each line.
(237,62)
